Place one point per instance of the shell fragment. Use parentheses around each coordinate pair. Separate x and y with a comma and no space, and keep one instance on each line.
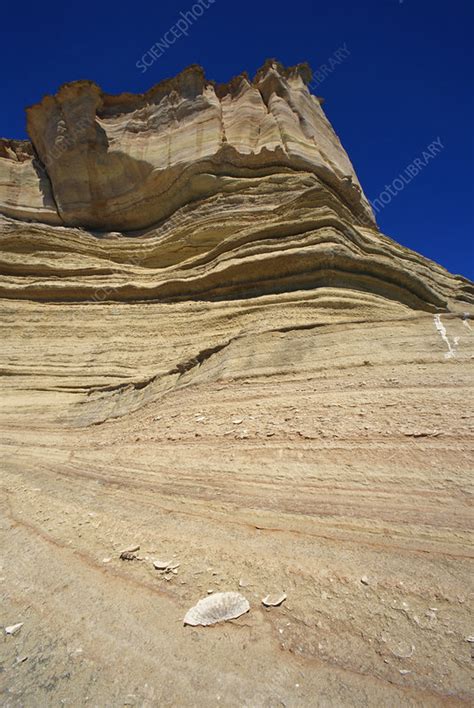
(131,549)
(13,628)
(129,553)
(273,600)
(161,565)
(166,566)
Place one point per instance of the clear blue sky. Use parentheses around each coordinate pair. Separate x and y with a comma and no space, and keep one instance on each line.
(406,81)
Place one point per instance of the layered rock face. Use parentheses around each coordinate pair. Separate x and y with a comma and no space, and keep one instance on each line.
(209,348)
(126,162)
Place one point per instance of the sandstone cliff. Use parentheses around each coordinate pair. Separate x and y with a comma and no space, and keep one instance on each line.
(209,348)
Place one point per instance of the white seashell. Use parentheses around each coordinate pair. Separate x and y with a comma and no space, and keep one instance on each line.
(13,628)
(218,607)
(274,600)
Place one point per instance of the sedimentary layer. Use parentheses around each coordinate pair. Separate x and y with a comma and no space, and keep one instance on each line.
(208,349)
(125,162)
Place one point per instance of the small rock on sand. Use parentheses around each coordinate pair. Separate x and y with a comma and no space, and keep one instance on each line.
(274,599)
(14,628)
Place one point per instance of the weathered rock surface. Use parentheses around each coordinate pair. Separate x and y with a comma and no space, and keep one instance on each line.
(126,162)
(208,348)
(25,189)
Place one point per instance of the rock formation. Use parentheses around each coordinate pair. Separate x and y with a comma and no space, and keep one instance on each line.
(208,347)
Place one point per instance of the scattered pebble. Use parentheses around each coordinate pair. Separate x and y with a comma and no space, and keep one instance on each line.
(161,565)
(14,628)
(403,651)
(169,568)
(131,549)
(274,600)
(364,580)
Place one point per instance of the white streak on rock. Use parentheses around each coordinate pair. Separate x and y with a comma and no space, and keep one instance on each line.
(444,336)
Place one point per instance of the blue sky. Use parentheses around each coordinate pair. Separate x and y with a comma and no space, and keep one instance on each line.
(405,82)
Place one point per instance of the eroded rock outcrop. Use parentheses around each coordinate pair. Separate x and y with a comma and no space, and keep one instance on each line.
(222,191)
(25,189)
(125,162)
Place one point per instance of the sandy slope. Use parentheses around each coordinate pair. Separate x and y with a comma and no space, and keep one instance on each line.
(353,471)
